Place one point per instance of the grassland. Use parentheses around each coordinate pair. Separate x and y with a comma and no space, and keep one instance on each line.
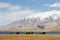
(29,37)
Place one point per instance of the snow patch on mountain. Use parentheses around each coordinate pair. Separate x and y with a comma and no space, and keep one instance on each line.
(45,14)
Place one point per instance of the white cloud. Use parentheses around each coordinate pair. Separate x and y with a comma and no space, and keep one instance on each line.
(12,16)
(9,6)
(5,5)
(16,7)
(13,13)
(57,4)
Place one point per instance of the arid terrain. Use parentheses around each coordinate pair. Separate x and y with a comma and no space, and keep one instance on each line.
(29,37)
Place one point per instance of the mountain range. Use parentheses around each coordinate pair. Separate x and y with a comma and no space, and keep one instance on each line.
(35,22)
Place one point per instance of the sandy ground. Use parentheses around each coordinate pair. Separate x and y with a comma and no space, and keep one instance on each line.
(29,37)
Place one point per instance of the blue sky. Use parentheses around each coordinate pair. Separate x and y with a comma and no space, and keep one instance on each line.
(12,10)
(39,5)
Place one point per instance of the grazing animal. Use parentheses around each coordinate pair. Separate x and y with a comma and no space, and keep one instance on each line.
(29,32)
(17,32)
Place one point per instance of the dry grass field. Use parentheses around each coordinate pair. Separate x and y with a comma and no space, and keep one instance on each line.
(29,37)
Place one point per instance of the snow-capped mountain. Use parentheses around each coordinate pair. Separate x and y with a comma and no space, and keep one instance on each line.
(35,22)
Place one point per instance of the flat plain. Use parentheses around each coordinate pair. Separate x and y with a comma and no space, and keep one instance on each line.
(29,37)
